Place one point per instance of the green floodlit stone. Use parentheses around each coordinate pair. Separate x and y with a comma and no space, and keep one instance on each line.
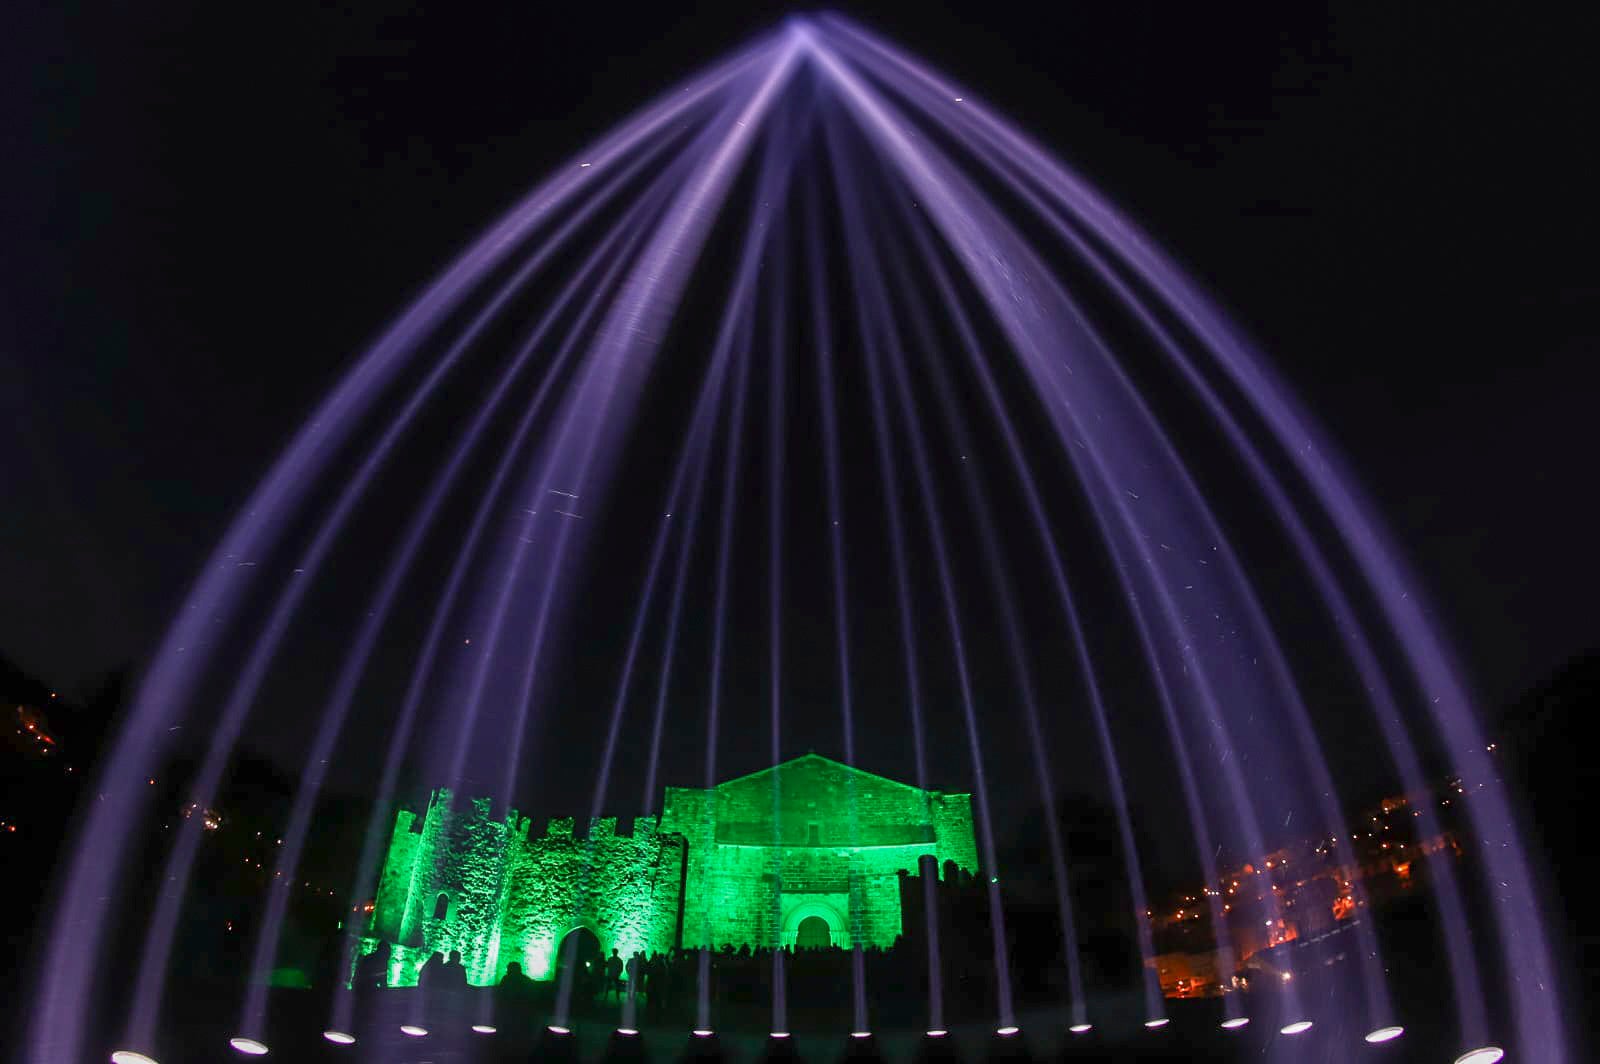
(808,851)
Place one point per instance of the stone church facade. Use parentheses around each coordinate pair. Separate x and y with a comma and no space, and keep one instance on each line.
(808,852)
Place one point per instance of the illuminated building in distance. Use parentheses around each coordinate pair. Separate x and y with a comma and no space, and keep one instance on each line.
(805,853)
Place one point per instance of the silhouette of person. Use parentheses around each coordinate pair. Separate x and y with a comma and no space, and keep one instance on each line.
(428,974)
(453,976)
(515,986)
(372,971)
(613,984)
(635,969)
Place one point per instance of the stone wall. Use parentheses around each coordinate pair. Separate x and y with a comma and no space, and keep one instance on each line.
(498,891)
(738,864)
(808,827)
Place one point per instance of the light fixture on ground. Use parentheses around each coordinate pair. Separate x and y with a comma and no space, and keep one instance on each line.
(248,1046)
(1007,1031)
(556,1028)
(414,1030)
(938,1032)
(485,1028)
(779,1034)
(1486,1055)
(1235,1023)
(703,1032)
(627,1032)
(1159,1021)
(1297,1027)
(340,1038)
(1385,1034)
(128,1056)
(860,1034)
(1081,1028)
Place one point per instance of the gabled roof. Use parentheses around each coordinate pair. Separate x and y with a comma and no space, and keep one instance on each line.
(814,758)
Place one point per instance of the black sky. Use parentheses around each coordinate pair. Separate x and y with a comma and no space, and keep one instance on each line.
(209,211)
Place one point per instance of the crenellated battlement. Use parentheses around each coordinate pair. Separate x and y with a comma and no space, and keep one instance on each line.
(742,863)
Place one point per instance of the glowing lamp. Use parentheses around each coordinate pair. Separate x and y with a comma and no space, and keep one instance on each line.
(860,1034)
(1385,1034)
(1081,1028)
(556,1028)
(937,1033)
(1160,1021)
(484,1028)
(1486,1055)
(627,1032)
(413,1030)
(1235,1023)
(248,1046)
(1005,1032)
(1297,1027)
(779,1034)
(702,1032)
(340,1038)
(128,1056)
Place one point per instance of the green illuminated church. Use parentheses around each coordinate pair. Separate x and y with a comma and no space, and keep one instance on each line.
(806,853)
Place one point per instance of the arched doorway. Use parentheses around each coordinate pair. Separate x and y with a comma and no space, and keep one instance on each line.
(580,951)
(810,910)
(813,933)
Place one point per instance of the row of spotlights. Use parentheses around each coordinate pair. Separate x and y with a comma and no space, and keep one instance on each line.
(252,1047)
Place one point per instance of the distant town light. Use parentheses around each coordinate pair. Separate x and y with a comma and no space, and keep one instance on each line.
(1296,1027)
(1081,1028)
(485,1028)
(413,1030)
(128,1056)
(1486,1055)
(1235,1023)
(340,1038)
(1385,1034)
(248,1046)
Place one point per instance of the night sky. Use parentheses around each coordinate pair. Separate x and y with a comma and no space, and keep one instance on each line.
(209,212)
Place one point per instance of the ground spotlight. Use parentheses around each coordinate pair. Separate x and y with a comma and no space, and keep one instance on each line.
(413,1030)
(1159,1021)
(128,1056)
(703,1032)
(627,1032)
(1081,1028)
(1235,1023)
(251,1048)
(1385,1034)
(860,1034)
(937,1032)
(556,1028)
(340,1038)
(1006,1031)
(1486,1055)
(485,1028)
(779,1034)
(1296,1027)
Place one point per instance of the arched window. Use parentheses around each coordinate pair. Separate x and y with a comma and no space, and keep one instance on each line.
(441,907)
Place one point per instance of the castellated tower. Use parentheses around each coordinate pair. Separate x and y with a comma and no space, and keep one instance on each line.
(509,890)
